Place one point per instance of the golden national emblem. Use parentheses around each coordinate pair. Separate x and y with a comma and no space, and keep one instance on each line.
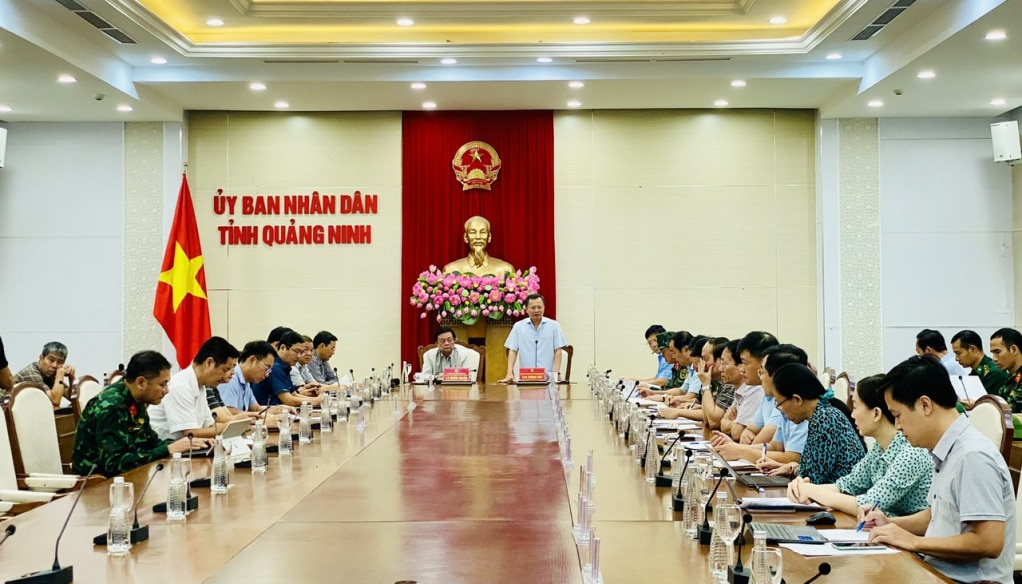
(476,165)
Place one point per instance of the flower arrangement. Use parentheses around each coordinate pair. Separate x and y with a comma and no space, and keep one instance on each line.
(468,297)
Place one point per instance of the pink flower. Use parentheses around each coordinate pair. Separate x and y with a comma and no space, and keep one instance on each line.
(509,297)
(444,314)
(423,315)
(486,312)
(438,318)
(473,297)
(433,268)
(475,313)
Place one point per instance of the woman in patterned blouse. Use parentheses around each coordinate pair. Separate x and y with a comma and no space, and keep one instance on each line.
(894,475)
(832,445)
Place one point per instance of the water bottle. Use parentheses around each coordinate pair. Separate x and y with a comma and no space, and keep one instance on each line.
(354,402)
(677,479)
(342,408)
(690,517)
(284,447)
(177,490)
(760,570)
(305,423)
(259,447)
(118,535)
(363,415)
(652,457)
(334,405)
(220,477)
(326,423)
(720,559)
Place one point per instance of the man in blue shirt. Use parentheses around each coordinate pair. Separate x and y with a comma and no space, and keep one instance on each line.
(278,388)
(931,342)
(536,341)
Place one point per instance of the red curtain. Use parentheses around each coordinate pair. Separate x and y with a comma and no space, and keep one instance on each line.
(519,206)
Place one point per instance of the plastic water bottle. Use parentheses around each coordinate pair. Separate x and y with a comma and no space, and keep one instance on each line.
(342,408)
(118,534)
(760,570)
(652,457)
(284,447)
(259,447)
(677,480)
(220,477)
(690,516)
(326,422)
(720,559)
(305,423)
(177,490)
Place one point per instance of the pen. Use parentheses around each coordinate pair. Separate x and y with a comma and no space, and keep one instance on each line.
(764,452)
(863,522)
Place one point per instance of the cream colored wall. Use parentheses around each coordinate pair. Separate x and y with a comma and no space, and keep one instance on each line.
(701,220)
(352,290)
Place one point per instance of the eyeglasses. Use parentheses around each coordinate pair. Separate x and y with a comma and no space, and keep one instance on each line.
(780,403)
(268,368)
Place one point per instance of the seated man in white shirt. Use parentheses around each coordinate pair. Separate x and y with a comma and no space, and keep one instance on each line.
(747,397)
(185,410)
(931,342)
(446,355)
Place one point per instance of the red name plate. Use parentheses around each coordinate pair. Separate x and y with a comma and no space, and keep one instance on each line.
(456,374)
(532,374)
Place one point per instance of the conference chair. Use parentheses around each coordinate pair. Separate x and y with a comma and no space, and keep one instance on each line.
(1018,530)
(11,492)
(843,387)
(991,415)
(33,431)
(114,377)
(826,377)
(88,388)
(476,361)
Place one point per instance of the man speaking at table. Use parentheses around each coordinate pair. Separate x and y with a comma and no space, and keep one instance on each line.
(536,341)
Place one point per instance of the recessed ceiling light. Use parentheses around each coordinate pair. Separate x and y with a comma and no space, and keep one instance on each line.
(778,20)
(66,79)
(257,86)
(449,61)
(429,104)
(158,61)
(996,35)
(720,103)
(581,20)
(998,101)
(576,85)
(281,105)
(738,83)
(418,85)
(5,108)
(405,22)
(214,22)
(833,56)
(926,74)
(125,108)
(875,103)
(574,103)
(544,60)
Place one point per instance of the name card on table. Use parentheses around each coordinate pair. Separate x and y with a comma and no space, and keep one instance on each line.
(457,374)
(532,374)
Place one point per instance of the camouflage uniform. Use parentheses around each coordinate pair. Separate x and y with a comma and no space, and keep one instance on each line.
(114,433)
(1011,391)
(992,376)
(678,378)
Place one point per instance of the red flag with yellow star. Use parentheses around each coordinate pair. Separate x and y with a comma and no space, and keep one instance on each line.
(181,306)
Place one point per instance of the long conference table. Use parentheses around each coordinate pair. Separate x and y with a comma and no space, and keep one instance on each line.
(466,488)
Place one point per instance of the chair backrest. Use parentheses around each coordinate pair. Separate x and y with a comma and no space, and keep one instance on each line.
(843,387)
(8,476)
(570,352)
(34,430)
(992,416)
(827,377)
(476,361)
(115,376)
(88,388)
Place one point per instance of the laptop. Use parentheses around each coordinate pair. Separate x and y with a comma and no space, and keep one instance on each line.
(777,533)
(754,480)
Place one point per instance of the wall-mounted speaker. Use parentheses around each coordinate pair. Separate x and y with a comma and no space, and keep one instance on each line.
(3,145)
(1007,145)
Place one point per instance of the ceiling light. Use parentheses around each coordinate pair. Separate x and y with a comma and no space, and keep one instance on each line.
(720,103)
(738,83)
(833,56)
(429,104)
(996,35)
(875,103)
(581,20)
(449,61)
(998,101)
(544,60)
(927,74)
(66,79)
(214,22)
(5,108)
(125,108)
(418,85)
(405,22)
(281,105)
(576,85)
(257,86)
(778,20)
(158,61)
(574,103)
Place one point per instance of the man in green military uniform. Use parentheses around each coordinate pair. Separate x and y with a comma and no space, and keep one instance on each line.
(114,432)
(1006,347)
(968,348)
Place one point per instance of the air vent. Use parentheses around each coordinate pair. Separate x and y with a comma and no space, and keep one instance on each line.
(98,22)
(382,61)
(298,61)
(883,20)
(650,59)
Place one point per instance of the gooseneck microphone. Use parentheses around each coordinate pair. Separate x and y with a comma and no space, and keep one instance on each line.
(821,570)
(8,533)
(56,574)
(138,534)
(678,502)
(661,479)
(739,574)
(706,532)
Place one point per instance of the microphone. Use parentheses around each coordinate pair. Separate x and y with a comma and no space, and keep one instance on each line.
(537,353)
(965,391)
(705,531)
(138,534)
(678,502)
(739,574)
(822,570)
(191,501)
(56,574)
(663,480)
(8,533)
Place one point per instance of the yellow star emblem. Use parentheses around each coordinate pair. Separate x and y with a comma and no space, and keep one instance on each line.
(181,276)
(475,155)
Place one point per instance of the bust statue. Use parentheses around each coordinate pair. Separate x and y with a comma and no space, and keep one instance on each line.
(478,262)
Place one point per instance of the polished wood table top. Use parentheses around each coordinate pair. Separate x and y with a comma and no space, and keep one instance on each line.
(466,488)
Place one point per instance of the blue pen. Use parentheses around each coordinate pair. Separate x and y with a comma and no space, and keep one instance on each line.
(863,522)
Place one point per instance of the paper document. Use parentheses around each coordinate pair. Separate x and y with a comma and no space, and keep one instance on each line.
(844,535)
(810,551)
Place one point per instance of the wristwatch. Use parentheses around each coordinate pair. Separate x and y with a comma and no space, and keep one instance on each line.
(794,469)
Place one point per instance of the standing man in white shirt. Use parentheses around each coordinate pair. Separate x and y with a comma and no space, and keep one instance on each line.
(535,341)
(185,410)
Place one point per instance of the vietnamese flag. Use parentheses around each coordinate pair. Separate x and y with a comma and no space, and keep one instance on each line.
(181,306)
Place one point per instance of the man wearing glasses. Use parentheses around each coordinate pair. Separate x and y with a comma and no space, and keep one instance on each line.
(278,388)
(446,355)
(254,365)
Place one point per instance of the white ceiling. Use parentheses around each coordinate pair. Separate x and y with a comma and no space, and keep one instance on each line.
(40,39)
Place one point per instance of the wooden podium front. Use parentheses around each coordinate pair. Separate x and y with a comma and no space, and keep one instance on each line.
(490,334)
